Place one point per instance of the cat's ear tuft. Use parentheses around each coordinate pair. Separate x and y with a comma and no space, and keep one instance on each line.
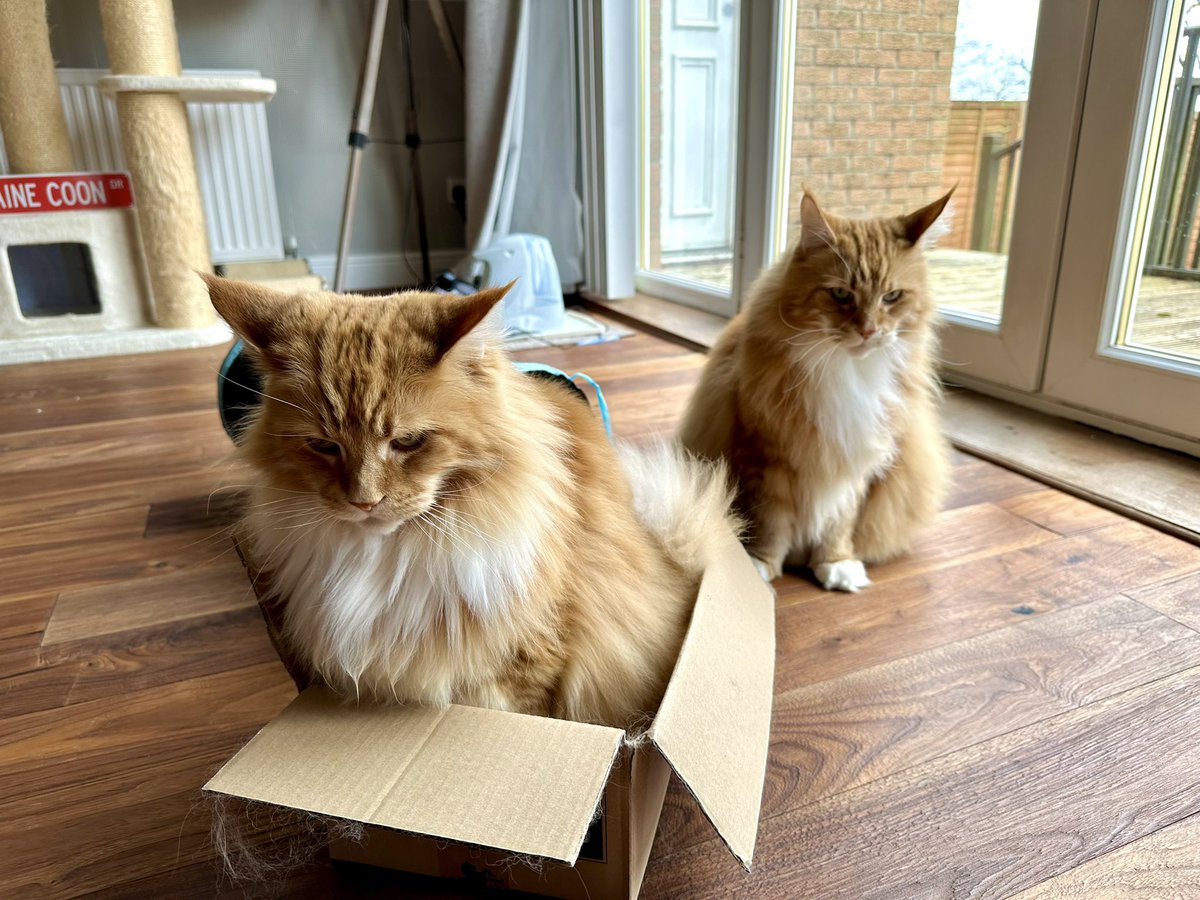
(915,224)
(252,310)
(461,315)
(815,232)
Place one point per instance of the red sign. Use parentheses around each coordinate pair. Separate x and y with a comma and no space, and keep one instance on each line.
(65,192)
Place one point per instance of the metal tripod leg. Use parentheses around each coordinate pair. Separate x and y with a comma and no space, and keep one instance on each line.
(360,128)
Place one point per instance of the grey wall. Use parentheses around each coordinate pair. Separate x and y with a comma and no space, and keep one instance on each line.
(313,48)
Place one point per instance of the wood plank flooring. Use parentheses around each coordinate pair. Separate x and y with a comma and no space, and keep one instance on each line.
(1009,711)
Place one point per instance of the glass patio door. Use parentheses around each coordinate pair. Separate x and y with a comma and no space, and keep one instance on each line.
(1125,335)
(1016,89)
(1069,268)
(688,96)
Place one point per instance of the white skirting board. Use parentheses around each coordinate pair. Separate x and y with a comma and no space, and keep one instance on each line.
(47,347)
(370,271)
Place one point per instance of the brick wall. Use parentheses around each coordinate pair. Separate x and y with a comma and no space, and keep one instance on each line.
(871,103)
(871,108)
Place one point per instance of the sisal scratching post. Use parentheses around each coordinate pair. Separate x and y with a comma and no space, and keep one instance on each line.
(140,36)
(31,114)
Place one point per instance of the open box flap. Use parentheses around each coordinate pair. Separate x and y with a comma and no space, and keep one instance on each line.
(714,725)
(524,784)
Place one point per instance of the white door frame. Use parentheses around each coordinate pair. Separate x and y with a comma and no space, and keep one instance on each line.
(1083,368)
(1012,354)
(613,49)
(606,34)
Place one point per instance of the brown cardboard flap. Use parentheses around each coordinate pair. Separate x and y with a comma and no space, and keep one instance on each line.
(524,784)
(714,725)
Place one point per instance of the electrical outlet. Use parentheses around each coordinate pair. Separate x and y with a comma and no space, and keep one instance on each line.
(451,184)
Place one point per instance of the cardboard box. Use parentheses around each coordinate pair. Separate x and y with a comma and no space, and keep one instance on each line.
(464,792)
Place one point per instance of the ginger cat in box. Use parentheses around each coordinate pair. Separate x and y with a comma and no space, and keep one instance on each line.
(822,395)
(441,528)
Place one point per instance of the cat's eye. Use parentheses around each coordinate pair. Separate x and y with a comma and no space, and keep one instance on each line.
(841,295)
(324,447)
(892,296)
(407,443)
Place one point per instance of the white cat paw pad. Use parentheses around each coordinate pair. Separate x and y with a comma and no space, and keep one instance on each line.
(844,575)
(763,569)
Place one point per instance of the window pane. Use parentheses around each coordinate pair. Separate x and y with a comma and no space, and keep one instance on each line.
(1160,308)
(689,138)
(894,103)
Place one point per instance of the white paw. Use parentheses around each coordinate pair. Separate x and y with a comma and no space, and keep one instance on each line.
(844,575)
(764,570)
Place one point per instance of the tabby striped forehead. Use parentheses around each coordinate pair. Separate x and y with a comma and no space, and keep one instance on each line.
(872,251)
(367,366)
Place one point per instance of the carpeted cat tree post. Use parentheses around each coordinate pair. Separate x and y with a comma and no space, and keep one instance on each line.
(143,52)
(31,114)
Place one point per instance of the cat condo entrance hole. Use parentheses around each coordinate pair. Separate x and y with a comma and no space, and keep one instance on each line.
(54,279)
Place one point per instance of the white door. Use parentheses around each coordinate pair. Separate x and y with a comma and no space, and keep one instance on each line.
(997,318)
(698,79)
(1125,337)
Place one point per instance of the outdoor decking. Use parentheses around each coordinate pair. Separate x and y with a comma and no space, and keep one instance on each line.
(1166,312)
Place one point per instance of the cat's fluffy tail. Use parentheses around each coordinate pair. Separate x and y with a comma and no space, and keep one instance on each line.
(683,500)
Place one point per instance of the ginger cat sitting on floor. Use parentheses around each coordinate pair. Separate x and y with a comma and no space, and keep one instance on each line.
(822,396)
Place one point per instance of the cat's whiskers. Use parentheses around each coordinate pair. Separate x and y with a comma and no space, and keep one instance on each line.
(799,332)
(294,536)
(828,243)
(276,502)
(446,531)
(455,511)
(466,525)
(261,394)
(417,520)
(227,529)
(302,513)
(470,487)
(233,487)
(325,517)
(798,340)
(811,346)
(822,348)
(814,369)
(451,529)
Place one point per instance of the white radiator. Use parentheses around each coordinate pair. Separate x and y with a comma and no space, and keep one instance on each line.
(233,161)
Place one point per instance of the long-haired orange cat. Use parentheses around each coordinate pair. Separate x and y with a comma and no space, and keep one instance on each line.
(822,396)
(446,529)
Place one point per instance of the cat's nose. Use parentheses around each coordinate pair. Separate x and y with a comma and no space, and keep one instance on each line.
(867,333)
(365,507)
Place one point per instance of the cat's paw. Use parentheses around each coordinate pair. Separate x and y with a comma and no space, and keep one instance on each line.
(768,572)
(844,575)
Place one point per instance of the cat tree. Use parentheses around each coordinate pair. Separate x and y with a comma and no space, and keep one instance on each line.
(31,116)
(150,95)
(141,41)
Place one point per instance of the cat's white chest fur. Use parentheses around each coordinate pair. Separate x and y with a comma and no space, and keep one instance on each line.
(366,609)
(850,401)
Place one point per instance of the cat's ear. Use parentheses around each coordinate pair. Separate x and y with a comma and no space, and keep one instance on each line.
(460,315)
(252,310)
(917,223)
(815,232)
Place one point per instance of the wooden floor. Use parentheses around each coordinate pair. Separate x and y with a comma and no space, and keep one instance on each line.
(1011,710)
